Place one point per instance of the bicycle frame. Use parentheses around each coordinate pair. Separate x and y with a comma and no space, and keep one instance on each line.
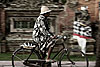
(43,54)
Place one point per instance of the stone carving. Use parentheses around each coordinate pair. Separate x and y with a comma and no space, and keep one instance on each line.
(31,4)
(25,3)
(46,1)
(72,3)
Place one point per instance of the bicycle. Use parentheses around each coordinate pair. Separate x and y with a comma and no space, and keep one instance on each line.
(33,56)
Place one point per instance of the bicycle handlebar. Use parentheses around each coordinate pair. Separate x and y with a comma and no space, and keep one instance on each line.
(60,37)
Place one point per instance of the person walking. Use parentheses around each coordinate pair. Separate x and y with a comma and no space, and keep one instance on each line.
(82,29)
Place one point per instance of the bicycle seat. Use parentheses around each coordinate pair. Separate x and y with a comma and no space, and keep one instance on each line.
(29,45)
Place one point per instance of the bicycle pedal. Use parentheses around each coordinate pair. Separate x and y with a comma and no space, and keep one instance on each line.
(31,64)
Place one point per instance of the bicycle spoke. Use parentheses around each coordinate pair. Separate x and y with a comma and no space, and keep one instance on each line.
(73,59)
(20,56)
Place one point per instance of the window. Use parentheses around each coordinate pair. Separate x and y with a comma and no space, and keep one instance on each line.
(21,24)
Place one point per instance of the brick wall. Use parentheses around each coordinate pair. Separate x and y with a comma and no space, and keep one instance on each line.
(2,20)
(65,20)
(93,8)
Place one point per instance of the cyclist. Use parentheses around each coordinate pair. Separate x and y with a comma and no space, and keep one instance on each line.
(41,29)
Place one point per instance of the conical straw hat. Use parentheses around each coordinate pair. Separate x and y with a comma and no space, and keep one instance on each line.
(44,9)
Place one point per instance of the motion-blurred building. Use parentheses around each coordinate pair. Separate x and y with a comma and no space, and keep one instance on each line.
(17,18)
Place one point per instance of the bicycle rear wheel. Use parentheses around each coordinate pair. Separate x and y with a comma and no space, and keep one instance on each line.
(20,55)
(73,58)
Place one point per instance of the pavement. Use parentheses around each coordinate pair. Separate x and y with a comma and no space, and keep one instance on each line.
(9,64)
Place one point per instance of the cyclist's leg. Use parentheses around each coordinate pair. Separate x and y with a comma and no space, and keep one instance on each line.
(50,48)
(49,53)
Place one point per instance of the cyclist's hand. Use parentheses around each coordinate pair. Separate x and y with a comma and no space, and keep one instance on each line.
(53,37)
(56,36)
(50,36)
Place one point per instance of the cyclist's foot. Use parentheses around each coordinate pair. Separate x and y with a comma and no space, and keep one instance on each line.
(50,60)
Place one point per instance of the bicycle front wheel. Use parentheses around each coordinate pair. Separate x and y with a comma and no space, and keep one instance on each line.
(20,55)
(73,58)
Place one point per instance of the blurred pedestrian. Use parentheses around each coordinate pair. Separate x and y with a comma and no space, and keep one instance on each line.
(82,29)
